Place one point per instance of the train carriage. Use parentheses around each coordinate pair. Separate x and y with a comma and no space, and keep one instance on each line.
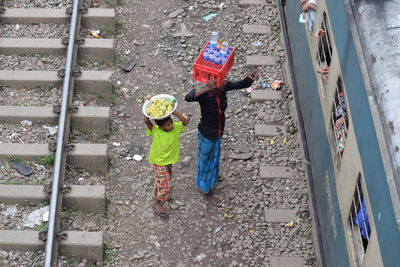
(343,59)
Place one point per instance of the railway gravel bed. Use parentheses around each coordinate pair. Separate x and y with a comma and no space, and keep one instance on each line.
(30,96)
(54,3)
(17,133)
(79,136)
(41,174)
(79,176)
(81,220)
(42,30)
(38,61)
(12,217)
(21,258)
(36,259)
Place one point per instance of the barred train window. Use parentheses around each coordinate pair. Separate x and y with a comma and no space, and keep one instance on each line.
(359,223)
(324,55)
(339,121)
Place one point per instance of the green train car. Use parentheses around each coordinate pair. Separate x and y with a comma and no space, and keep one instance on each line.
(344,65)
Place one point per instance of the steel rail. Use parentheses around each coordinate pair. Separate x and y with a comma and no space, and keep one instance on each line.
(54,201)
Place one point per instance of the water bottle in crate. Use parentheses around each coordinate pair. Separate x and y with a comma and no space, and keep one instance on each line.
(217,65)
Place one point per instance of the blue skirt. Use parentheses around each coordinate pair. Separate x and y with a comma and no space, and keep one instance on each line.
(209,152)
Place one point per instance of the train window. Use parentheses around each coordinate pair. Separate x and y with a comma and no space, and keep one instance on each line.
(359,223)
(324,55)
(339,121)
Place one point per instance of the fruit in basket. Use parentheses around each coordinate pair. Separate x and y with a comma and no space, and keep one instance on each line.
(160,107)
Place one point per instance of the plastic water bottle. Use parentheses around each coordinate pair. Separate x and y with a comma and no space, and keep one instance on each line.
(224,52)
(211,57)
(206,54)
(218,60)
(214,40)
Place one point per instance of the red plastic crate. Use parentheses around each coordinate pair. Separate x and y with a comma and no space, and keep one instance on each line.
(205,70)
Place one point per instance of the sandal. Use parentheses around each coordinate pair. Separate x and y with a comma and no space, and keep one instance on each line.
(160,213)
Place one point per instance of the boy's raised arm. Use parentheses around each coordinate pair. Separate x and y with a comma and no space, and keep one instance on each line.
(181,117)
(148,123)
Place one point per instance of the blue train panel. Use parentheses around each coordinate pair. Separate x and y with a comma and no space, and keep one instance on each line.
(332,229)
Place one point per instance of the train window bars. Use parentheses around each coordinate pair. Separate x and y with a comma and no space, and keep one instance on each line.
(324,54)
(359,223)
(339,121)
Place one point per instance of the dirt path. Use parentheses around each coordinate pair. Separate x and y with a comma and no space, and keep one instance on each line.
(197,233)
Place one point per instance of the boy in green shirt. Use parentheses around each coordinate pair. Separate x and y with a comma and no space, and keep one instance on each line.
(164,152)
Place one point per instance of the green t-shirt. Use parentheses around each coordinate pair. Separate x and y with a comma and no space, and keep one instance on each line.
(165,146)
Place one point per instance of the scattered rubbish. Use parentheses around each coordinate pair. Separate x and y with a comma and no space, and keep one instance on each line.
(257,43)
(176,13)
(210,16)
(119,83)
(116,144)
(26,123)
(271,141)
(137,157)
(265,85)
(127,52)
(36,217)
(17,27)
(22,169)
(276,85)
(184,32)
(191,8)
(12,135)
(10,211)
(241,156)
(52,130)
(218,229)
(186,159)
(200,257)
(227,214)
(221,6)
(248,90)
(289,224)
(38,167)
(139,100)
(95,33)
(128,65)
(285,140)
(81,179)
(128,158)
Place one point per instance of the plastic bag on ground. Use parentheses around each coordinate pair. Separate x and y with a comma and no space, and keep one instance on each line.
(36,217)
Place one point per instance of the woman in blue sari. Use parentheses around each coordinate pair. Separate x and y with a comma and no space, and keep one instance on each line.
(213,103)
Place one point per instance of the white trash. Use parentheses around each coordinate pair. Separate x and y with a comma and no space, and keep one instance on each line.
(200,257)
(52,130)
(36,217)
(137,157)
(10,211)
(26,123)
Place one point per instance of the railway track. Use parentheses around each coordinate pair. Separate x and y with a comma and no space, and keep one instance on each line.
(66,114)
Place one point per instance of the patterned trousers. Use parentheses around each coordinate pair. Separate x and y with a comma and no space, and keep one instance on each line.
(162,182)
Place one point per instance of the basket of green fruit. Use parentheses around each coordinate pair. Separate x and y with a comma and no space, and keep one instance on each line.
(159,106)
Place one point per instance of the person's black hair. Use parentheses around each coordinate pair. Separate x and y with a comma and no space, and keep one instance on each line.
(160,123)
